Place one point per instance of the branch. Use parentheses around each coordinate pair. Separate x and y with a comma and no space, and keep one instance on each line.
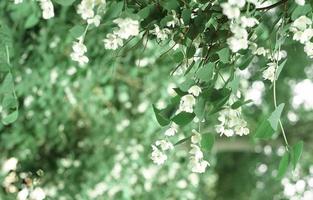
(271,6)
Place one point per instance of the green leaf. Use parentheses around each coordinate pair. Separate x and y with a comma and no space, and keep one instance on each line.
(178,57)
(199,108)
(186,15)
(170,5)
(10,118)
(205,73)
(275,116)
(179,92)
(240,103)
(296,152)
(145,12)
(65,2)
(162,119)
(207,141)
(183,118)
(9,101)
(191,50)
(31,21)
(264,130)
(224,55)
(244,62)
(7,85)
(4,67)
(300,10)
(77,31)
(269,125)
(283,165)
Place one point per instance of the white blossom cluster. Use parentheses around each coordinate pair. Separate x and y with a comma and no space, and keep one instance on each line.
(9,167)
(231,123)
(34,194)
(160,147)
(47,9)
(239,23)
(303,32)
(79,51)
(161,34)
(270,72)
(197,163)
(86,9)
(126,28)
(188,101)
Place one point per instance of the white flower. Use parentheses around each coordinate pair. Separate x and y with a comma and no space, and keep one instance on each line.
(196,151)
(198,166)
(187,102)
(303,36)
(236,44)
(79,48)
(127,27)
(165,145)
(195,90)
(300,2)
(231,11)
(261,51)
(248,21)
(308,49)
(112,41)
(161,34)
(86,9)
(301,23)
(172,130)
(157,156)
(239,31)
(238,3)
(23,194)
(231,123)
(95,20)
(47,9)
(196,137)
(269,73)
(278,55)
(37,194)
(18,1)
(9,165)
(78,54)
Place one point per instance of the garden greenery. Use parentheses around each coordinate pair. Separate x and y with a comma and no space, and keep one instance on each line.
(206,50)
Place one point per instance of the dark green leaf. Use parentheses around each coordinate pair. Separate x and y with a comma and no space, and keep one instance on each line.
(205,73)
(275,116)
(296,153)
(9,101)
(224,55)
(7,85)
(283,165)
(207,141)
(186,15)
(162,120)
(77,31)
(10,118)
(183,118)
(65,2)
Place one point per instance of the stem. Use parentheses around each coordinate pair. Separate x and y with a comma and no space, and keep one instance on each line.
(274,90)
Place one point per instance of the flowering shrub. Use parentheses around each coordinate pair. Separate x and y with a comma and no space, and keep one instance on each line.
(75,72)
